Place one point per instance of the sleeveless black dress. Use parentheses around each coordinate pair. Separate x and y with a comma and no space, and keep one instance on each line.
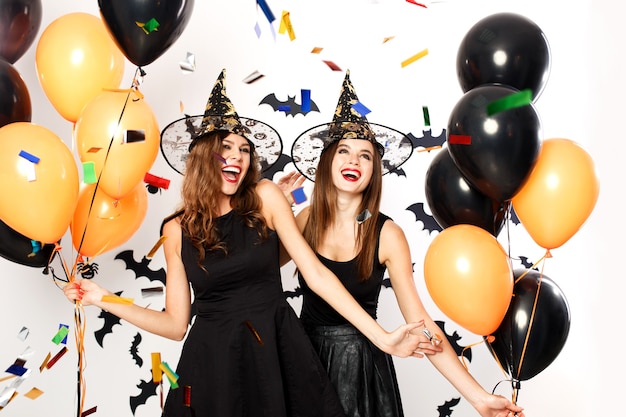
(246,354)
(363,375)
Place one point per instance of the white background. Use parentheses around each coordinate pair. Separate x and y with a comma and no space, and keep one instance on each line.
(582,101)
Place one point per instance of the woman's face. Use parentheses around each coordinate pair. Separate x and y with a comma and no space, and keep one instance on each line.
(236,161)
(353,165)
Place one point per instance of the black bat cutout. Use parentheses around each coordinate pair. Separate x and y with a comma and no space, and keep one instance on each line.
(141,269)
(427,140)
(134,350)
(527,264)
(297,292)
(278,166)
(514,218)
(110,320)
(148,389)
(453,340)
(399,172)
(445,410)
(429,221)
(294,108)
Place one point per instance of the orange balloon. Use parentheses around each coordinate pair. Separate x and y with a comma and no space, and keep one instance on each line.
(76,59)
(102,223)
(122,149)
(469,277)
(559,194)
(38,199)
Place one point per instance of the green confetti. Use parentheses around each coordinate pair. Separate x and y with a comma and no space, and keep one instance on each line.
(89,172)
(426,116)
(63,331)
(522,98)
(151,25)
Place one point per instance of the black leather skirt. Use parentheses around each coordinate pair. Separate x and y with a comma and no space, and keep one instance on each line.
(363,375)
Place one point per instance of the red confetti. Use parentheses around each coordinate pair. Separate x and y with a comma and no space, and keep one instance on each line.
(416,3)
(460,140)
(156,181)
(89,412)
(56,357)
(332,65)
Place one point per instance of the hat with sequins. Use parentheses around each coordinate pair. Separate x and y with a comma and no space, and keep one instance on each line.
(348,123)
(178,137)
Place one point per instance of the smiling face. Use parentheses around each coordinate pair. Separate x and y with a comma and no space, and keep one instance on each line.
(235,157)
(353,165)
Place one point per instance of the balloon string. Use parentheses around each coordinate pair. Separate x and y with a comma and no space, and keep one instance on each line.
(545,256)
(106,157)
(469,347)
(79,335)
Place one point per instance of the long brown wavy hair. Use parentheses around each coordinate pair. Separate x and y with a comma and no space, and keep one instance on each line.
(201,190)
(323,210)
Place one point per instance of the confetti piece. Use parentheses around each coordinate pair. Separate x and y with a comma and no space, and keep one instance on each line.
(116,299)
(156,247)
(29,157)
(332,65)
(188,65)
(6,378)
(93,149)
(256,335)
(171,375)
(416,3)
(219,157)
(16,370)
(426,116)
(44,364)
(61,334)
(31,174)
(460,140)
(305,100)
(360,108)
(414,58)
(298,195)
(157,374)
(316,50)
(149,26)
(61,325)
(134,136)
(285,25)
(388,38)
(256,75)
(187,396)
(519,99)
(89,412)
(181,106)
(266,10)
(364,215)
(89,172)
(430,148)
(158,182)
(146,292)
(34,393)
(23,333)
(56,357)
(257,30)
(6,396)
(284,108)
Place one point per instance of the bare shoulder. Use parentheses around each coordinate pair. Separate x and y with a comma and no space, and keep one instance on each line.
(392,239)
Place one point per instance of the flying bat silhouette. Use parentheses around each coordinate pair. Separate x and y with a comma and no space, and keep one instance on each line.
(514,218)
(141,269)
(297,292)
(526,263)
(398,171)
(148,389)
(427,140)
(445,410)
(278,166)
(290,107)
(134,350)
(429,221)
(110,320)
(453,340)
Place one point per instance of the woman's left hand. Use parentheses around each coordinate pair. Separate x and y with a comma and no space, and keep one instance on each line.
(498,406)
(290,182)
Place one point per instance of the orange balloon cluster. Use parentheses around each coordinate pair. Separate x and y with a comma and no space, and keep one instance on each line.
(76,59)
(560,193)
(469,277)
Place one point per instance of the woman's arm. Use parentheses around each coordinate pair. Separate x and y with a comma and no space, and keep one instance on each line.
(323,282)
(171,323)
(394,252)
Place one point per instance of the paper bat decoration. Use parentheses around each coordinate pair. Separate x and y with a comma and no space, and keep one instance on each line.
(427,140)
(429,221)
(110,320)
(445,410)
(527,264)
(399,172)
(290,107)
(278,166)
(141,269)
(148,389)
(297,292)
(134,350)
(453,339)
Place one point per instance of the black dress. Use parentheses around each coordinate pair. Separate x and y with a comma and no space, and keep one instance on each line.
(246,353)
(363,375)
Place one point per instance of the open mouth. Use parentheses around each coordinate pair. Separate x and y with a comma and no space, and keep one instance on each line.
(231,173)
(351,174)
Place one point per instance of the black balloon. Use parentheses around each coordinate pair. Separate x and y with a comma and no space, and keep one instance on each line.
(453,200)
(504,48)
(141,48)
(19,23)
(19,249)
(502,148)
(15,105)
(544,319)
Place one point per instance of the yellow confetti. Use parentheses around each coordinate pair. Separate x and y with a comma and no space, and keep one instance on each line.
(317,50)
(116,299)
(285,25)
(157,374)
(156,247)
(33,393)
(415,57)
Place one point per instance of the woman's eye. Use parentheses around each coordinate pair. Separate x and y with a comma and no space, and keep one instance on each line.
(366,157)
(245,150)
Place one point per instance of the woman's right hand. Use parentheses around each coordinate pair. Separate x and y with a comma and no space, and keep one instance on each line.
(84,291)
(289,183)
(404,341)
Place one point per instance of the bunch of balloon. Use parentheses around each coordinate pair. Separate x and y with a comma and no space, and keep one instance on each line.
(117,135)
(74,69)
(143,41)
(534,329)
(559,195)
